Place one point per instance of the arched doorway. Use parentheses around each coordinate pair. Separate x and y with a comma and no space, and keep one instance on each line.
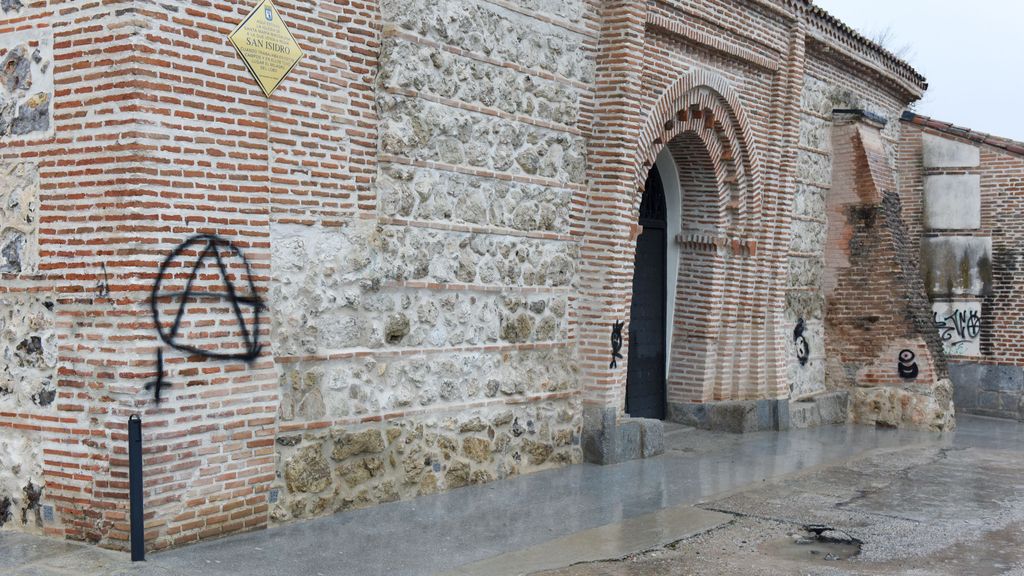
(645,378)
(725,285)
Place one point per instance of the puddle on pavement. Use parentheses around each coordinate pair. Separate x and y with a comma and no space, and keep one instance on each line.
(814,544)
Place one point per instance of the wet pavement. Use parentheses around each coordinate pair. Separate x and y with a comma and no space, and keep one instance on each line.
(922,503)
(952,507)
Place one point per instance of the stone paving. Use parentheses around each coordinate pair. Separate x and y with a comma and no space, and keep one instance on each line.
(713,504)
(947,508)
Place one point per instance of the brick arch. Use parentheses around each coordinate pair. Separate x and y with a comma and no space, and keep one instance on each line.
(702,266)
(706,91)
(717,337)
(699,154)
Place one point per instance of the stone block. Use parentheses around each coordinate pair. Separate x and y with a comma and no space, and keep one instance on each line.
(833,407)
(814,168)
(814,133)
(26,81)
(809,201)
(952,202)
(805,271)
(782,416)
(806,377)
(607,440)
(808,237)
(11,5)
(690,414)
(804,414)
(500,34)
(652,437)
(957,266)
(1008,403)
(599,438)
(28,351)
(733,416)
(967,379)
(967,373)
(989,401)
(1003,379)
(736,417)
(429,194)
(431,70)
(765,413)
(425,130)
(959,325)
(629,445)
(939,152)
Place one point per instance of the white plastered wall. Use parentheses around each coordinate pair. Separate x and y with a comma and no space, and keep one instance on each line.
(674,218)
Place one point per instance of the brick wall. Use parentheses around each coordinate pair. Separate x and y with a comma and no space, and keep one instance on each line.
(828,85)
(67,160)
(879,338)
(986,176)
(434,217)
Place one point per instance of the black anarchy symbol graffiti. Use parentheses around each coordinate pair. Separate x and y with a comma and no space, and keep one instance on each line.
(214,250)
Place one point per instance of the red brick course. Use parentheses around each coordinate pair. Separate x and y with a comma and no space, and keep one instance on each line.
(159,134)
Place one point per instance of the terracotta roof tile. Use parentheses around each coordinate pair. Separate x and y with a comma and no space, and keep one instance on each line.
(892,59)
(1011,146)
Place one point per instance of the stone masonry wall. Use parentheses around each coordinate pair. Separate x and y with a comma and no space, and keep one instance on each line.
(424,346)
(432,219)
(826,87)
(26,79)
(36,293)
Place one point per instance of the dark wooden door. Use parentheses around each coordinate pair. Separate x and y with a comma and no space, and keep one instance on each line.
(645,376)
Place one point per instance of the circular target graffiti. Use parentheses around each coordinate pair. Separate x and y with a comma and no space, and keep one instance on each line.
(906,366)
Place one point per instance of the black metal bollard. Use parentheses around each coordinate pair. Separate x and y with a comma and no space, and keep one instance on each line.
(138,528)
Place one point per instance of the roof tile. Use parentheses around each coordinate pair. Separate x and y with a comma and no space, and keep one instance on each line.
(1011,146)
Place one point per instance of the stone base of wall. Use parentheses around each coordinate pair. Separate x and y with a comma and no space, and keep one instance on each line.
(831,408)
(919,407)
(738,416)
(988,390)
(611,440)
(343,467)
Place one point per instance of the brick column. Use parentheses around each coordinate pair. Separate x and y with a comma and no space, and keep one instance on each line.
(609,227)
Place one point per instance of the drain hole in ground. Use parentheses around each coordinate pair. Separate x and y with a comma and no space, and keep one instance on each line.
(815,542)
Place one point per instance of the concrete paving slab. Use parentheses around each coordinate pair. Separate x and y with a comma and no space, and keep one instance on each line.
(946,508)
(610,541)
(30,555)
(445,532)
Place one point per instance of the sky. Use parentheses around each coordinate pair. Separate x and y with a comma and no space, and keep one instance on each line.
(971,52)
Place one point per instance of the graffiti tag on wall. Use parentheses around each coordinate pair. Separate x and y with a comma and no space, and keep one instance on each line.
(803,350)
(616,344)
(211,262)
(906,366)
(959,326)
